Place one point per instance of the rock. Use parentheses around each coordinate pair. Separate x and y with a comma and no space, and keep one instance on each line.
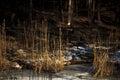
(20,51)
(15,65)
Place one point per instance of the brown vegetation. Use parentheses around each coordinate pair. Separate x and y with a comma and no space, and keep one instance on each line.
(101,63)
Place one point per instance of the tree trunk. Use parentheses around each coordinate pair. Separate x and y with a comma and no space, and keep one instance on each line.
(70,12)
(98,11)
(90,11)
(30,13)
(60,9)
(93,11)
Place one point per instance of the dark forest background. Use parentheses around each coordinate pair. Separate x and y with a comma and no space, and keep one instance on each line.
(21,9)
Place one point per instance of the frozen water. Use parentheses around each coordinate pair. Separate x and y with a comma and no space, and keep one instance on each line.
(72,72)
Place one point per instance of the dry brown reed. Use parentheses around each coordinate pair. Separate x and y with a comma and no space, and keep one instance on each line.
(45,52)
(101,63)
(39,41)
(4,63)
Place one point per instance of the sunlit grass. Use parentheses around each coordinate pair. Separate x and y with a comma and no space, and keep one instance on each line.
(4,63)
(39,34)
(101,63)
(44,53)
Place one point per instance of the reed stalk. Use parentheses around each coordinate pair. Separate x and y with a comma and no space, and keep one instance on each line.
(4,63)
(101,63)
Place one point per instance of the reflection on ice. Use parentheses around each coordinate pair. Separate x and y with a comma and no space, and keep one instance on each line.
(29,75)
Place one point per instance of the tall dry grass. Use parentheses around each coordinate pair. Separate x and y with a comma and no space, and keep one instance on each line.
(4,63)
(43,47)
(101,63)
(45,52)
